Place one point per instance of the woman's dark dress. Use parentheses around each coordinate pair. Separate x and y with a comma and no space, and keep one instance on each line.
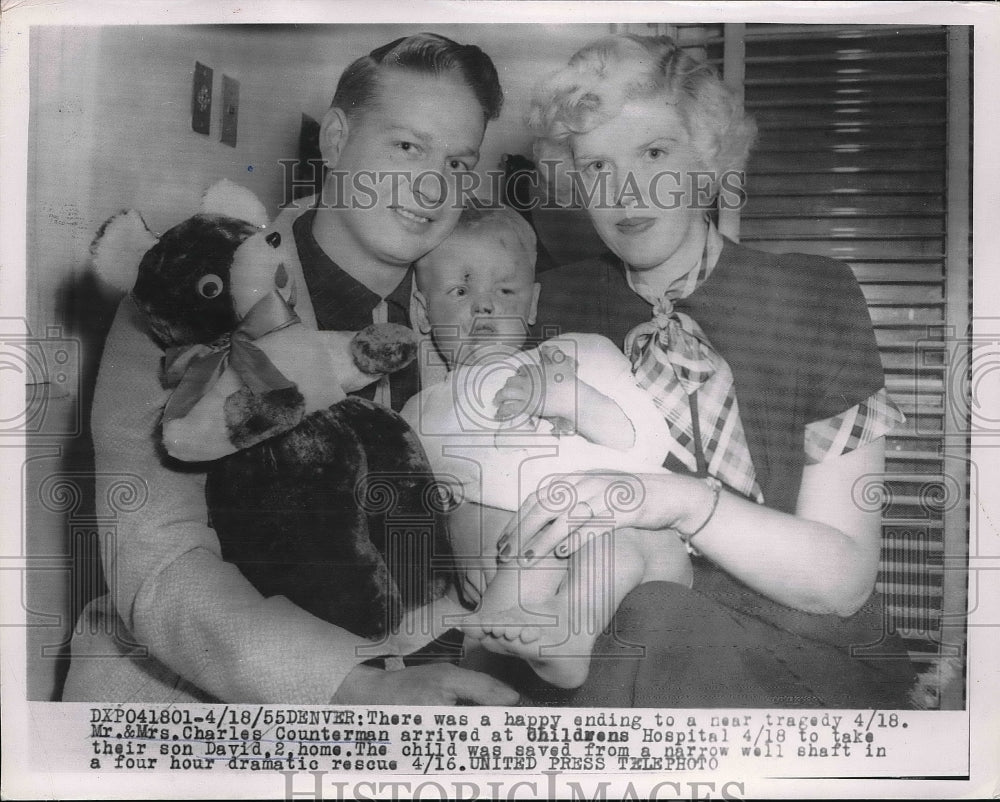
(796,332)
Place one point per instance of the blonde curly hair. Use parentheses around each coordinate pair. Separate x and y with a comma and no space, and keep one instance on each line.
(601,77)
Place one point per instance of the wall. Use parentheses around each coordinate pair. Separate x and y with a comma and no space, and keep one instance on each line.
(110,119)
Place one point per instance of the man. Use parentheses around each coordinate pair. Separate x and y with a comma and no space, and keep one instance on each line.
(405,123)
(398,140)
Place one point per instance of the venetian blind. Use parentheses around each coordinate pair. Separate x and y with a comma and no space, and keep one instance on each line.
(851,164)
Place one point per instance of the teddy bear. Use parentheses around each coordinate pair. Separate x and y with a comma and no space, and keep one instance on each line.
(316,495)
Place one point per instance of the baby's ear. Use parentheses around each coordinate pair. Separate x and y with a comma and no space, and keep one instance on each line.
(533,310)
(419,310)
(119,247)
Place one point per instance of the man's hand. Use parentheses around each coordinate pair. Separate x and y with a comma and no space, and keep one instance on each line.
(434,684)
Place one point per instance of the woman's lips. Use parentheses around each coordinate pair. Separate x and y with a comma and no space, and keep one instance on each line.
(635,225)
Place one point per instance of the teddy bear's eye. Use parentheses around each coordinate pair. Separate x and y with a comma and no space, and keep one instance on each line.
(209,286)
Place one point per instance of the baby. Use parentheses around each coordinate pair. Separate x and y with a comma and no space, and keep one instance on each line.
(505,423)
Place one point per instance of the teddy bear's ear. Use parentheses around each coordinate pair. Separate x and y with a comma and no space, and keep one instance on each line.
(232,200)
(119,247)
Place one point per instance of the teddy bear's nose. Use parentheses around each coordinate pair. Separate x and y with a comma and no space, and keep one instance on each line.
(273,239)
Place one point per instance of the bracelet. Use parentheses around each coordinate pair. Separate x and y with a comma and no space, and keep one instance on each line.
(716,487)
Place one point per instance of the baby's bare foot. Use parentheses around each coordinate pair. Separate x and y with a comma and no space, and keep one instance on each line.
(549,643)
(514,597)
(514,624)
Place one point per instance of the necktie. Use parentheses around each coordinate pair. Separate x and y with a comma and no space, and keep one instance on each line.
(693,387)
(383,392)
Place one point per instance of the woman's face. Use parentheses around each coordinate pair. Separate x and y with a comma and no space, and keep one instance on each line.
(642,176)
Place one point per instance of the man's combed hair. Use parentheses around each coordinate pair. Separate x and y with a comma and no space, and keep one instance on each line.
(606,74)
(426,53)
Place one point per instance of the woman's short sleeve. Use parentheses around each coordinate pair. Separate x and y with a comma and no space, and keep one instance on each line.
(863,423)
(843,366)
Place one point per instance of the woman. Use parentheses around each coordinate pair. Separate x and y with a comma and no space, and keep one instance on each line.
(767,370)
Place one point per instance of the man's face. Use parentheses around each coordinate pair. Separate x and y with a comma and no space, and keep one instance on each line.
(427,131)
(476,294)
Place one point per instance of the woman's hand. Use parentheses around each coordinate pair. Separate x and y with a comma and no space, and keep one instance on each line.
(822,559)
(566,513)
(544,390)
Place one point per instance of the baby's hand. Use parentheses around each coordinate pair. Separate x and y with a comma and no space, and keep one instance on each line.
(544,390)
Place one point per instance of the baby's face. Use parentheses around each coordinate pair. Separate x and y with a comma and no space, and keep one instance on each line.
(476,295)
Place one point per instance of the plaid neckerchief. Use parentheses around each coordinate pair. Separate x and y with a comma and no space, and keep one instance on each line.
(692,385)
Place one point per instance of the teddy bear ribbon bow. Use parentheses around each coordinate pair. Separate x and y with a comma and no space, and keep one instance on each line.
(194,370)
(692,385)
